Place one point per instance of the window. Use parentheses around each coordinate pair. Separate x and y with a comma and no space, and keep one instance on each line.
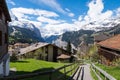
(46,49)
(6,38)
(0,13)
(0,38)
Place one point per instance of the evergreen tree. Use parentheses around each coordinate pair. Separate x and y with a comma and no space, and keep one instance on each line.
(69,47)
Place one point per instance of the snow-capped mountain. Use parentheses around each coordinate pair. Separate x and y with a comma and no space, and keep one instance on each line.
(89,28)
(110,26)
(75,37)
(24,31)
(101,25)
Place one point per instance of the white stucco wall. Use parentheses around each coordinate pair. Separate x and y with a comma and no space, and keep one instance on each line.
(6,67)
(1,68)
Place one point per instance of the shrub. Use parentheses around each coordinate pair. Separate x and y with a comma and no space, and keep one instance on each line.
(95,57)
(13,57)
(117,62)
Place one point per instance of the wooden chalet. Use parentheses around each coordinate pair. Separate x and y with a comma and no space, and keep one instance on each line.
(109,49)
(4,56)
(43,51)
(64,57)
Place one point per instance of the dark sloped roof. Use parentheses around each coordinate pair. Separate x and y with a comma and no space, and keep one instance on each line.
(63,56)
(5,9)
(113,42)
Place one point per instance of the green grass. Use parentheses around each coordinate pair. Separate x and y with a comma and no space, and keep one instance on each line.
(32,65)
(93,74)
(113,71)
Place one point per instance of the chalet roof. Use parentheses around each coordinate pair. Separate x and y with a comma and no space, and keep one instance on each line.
(36,46)
(32,47)
(63,56)
(5,9)
(18,44)
(112,43)
(21,44)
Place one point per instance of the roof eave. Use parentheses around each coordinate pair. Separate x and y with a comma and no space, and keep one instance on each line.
(5,9)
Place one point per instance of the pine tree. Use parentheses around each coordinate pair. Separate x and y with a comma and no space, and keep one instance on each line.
(69,47)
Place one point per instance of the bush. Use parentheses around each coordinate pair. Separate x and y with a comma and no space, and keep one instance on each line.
(95,57)
(13,57)
(117,62)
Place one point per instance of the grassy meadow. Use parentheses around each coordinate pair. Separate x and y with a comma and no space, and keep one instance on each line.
(112,70)
(32,65)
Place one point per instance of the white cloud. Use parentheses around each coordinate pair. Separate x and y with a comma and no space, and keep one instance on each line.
(51,3)
(49,21)
(36,15)
(71,14)
(11,2)
(95,12)
(54,5)
(38,12)
(118,12)
(57,29)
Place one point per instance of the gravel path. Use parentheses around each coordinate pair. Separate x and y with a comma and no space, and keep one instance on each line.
(83,73)
(87,74)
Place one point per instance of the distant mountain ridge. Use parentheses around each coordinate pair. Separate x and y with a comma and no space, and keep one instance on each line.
(24,35)
(23,31)
(111,27)
(75,37)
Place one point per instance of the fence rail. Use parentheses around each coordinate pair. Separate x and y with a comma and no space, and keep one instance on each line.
(105,74)
(73,66)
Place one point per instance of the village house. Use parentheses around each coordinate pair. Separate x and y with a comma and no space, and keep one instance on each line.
(109,49)
(4,56)
(21,45)
(64,57)
(43,51)
(16,47)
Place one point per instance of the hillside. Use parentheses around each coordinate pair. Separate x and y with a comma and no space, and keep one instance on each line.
(75,37)
(24,35)
(114,30)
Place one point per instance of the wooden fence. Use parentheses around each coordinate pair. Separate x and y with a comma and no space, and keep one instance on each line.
(50,73)
(100,71)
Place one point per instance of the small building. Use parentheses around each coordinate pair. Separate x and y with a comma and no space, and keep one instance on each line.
(14,49)
(109,49)
(4,56)
(21,45)
(43,51)
(101,37)
(64,57)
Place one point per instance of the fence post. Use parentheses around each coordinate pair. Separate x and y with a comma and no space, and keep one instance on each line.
(71,69)
(74,65)
(50,75)
(65,71)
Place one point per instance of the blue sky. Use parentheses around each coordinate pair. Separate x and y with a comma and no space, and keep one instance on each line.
(57,16)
